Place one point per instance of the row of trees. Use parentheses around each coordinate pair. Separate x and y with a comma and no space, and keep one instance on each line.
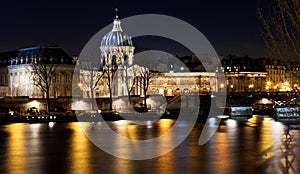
(108,76)
(93,77)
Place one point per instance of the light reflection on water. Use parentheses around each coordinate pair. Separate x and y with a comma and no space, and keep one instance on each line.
(64,148)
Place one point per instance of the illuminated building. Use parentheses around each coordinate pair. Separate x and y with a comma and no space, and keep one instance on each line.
(17,66)
(244,74)
(275,75)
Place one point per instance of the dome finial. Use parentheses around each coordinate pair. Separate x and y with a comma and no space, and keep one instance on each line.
(117,13)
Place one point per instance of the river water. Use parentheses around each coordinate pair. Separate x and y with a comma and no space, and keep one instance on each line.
(234,148)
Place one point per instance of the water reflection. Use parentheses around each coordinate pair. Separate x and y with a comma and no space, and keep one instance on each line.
(235,148)
(279,156)
(14,159)
(80,155)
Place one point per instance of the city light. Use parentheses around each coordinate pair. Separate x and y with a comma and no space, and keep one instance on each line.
(80,85)
(222,85)
(34,104)
(80,105)
(286,83)
(51,124)
(265,101)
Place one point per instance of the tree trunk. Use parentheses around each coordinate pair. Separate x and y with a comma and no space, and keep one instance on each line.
(92,101)
(145,102)
(48,101)
(110,100)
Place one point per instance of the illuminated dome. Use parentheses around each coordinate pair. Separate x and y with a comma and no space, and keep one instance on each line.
(116,37)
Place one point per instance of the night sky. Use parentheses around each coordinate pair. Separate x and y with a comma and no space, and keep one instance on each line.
(231,26)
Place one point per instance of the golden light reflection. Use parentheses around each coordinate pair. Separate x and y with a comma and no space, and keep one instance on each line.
(80,149)
(266,138)
(16,148)
(222,152)
(270,145)
(129,130)
(165,125)
(133,132)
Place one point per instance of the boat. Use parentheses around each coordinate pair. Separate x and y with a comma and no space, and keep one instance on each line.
(286,112)
(264,107)
(237,112)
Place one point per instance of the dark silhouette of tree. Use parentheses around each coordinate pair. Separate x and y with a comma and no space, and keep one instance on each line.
(43,71)
(129,79)
(109,73)
(90,77)
(144,77)
(281,29)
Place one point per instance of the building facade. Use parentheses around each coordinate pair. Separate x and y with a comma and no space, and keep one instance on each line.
(17,72)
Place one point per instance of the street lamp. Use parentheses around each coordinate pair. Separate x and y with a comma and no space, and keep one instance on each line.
(286,83)
(251,86)
(268,85)
(80,85)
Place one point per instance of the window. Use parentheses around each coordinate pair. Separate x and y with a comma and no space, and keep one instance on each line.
(57,77)
(67,79)
(125,57)
(185,81)
(114,60)
(103,61)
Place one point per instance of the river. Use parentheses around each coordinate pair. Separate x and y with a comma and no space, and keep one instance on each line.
(234,148)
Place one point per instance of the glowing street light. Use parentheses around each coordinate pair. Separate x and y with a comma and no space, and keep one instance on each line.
(286,83)
(80,85)
(222,85)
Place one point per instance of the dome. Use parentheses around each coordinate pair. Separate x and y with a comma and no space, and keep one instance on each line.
(116,37)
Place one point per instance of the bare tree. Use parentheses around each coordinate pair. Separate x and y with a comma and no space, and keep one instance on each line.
(129,79)
(144,77)
(89,80)
(109,73)
(42,73)
(281,29)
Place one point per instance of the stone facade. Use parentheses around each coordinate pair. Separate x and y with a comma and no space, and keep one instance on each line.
(16,79)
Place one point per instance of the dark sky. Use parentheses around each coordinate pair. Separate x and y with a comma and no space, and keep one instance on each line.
(230,25)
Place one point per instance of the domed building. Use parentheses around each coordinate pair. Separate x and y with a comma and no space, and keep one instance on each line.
(117,52)
(116,46)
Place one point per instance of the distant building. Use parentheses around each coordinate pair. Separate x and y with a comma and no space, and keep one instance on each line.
(282,76)
(244,74)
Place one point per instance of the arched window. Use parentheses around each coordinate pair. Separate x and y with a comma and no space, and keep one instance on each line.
(103,62)
(125,57)
(114,60)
